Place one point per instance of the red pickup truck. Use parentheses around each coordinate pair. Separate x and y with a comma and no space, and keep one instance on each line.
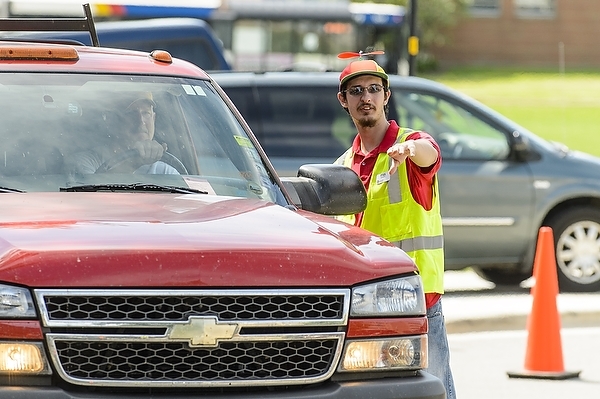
(149,249)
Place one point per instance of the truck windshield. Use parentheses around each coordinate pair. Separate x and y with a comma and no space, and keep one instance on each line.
(64,131)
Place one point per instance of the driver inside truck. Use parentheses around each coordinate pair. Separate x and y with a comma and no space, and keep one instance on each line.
(131,147)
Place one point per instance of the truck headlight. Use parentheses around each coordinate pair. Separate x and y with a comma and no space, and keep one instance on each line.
(403,296)
(15,302)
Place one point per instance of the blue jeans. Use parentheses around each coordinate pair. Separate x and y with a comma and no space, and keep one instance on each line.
(439,352)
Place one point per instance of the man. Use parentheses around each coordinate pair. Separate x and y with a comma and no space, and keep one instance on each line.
(398,168)
(132,148)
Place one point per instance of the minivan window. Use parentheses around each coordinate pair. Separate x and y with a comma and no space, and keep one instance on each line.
(460,134)
(304,122)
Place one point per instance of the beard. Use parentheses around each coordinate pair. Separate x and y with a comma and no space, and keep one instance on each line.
(366,121)
(367,115)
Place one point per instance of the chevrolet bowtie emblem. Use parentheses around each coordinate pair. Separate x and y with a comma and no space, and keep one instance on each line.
(202,331)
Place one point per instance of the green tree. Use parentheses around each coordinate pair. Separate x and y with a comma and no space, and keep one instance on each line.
(434,17)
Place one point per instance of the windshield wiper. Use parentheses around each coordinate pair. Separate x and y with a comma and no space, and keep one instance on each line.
(10,190)
(132,187)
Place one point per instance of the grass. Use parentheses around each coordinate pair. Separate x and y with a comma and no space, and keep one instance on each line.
(561,107)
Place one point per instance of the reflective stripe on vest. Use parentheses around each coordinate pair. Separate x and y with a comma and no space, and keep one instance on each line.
(394,191)
(410,244)
(417,243)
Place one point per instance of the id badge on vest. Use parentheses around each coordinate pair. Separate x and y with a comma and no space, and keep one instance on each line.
(382,178)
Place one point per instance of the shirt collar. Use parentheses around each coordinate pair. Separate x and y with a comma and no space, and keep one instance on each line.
(389,139)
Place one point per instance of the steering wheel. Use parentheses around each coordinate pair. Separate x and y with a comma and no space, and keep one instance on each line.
(128,155)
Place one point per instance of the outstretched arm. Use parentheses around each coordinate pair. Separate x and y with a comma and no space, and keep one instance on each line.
(420,151)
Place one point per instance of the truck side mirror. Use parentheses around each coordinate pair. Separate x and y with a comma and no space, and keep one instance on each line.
(327,189)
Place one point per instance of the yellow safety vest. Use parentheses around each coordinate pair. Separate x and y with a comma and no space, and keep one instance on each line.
(393,214)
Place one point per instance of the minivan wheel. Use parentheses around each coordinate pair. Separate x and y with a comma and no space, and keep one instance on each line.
(577,242)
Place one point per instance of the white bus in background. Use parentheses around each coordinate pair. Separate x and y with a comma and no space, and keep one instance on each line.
(308,35)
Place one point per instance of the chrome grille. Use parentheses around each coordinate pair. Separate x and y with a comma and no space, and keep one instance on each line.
(164,338)
(232,361)
(225,307)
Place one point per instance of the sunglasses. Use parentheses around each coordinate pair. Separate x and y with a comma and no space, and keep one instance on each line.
(359,90)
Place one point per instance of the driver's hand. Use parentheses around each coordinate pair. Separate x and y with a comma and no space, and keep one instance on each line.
(149,151)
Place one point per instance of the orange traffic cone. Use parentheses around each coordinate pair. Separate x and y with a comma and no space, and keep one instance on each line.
(542,256)
(544,357)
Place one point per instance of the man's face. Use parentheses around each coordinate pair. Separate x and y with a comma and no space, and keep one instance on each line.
(366,107)
(139,120)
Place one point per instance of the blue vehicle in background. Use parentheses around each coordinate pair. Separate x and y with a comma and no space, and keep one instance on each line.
(191,39)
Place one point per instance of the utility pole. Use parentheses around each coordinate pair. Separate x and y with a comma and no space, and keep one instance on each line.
(413,40)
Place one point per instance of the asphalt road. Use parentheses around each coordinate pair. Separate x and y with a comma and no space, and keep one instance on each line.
(488,338)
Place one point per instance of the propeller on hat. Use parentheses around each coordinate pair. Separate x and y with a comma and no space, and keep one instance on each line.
(360,54)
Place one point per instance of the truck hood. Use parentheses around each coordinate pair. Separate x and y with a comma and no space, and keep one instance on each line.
(165,240)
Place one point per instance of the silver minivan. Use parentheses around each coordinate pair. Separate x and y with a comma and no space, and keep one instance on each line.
(499,182)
